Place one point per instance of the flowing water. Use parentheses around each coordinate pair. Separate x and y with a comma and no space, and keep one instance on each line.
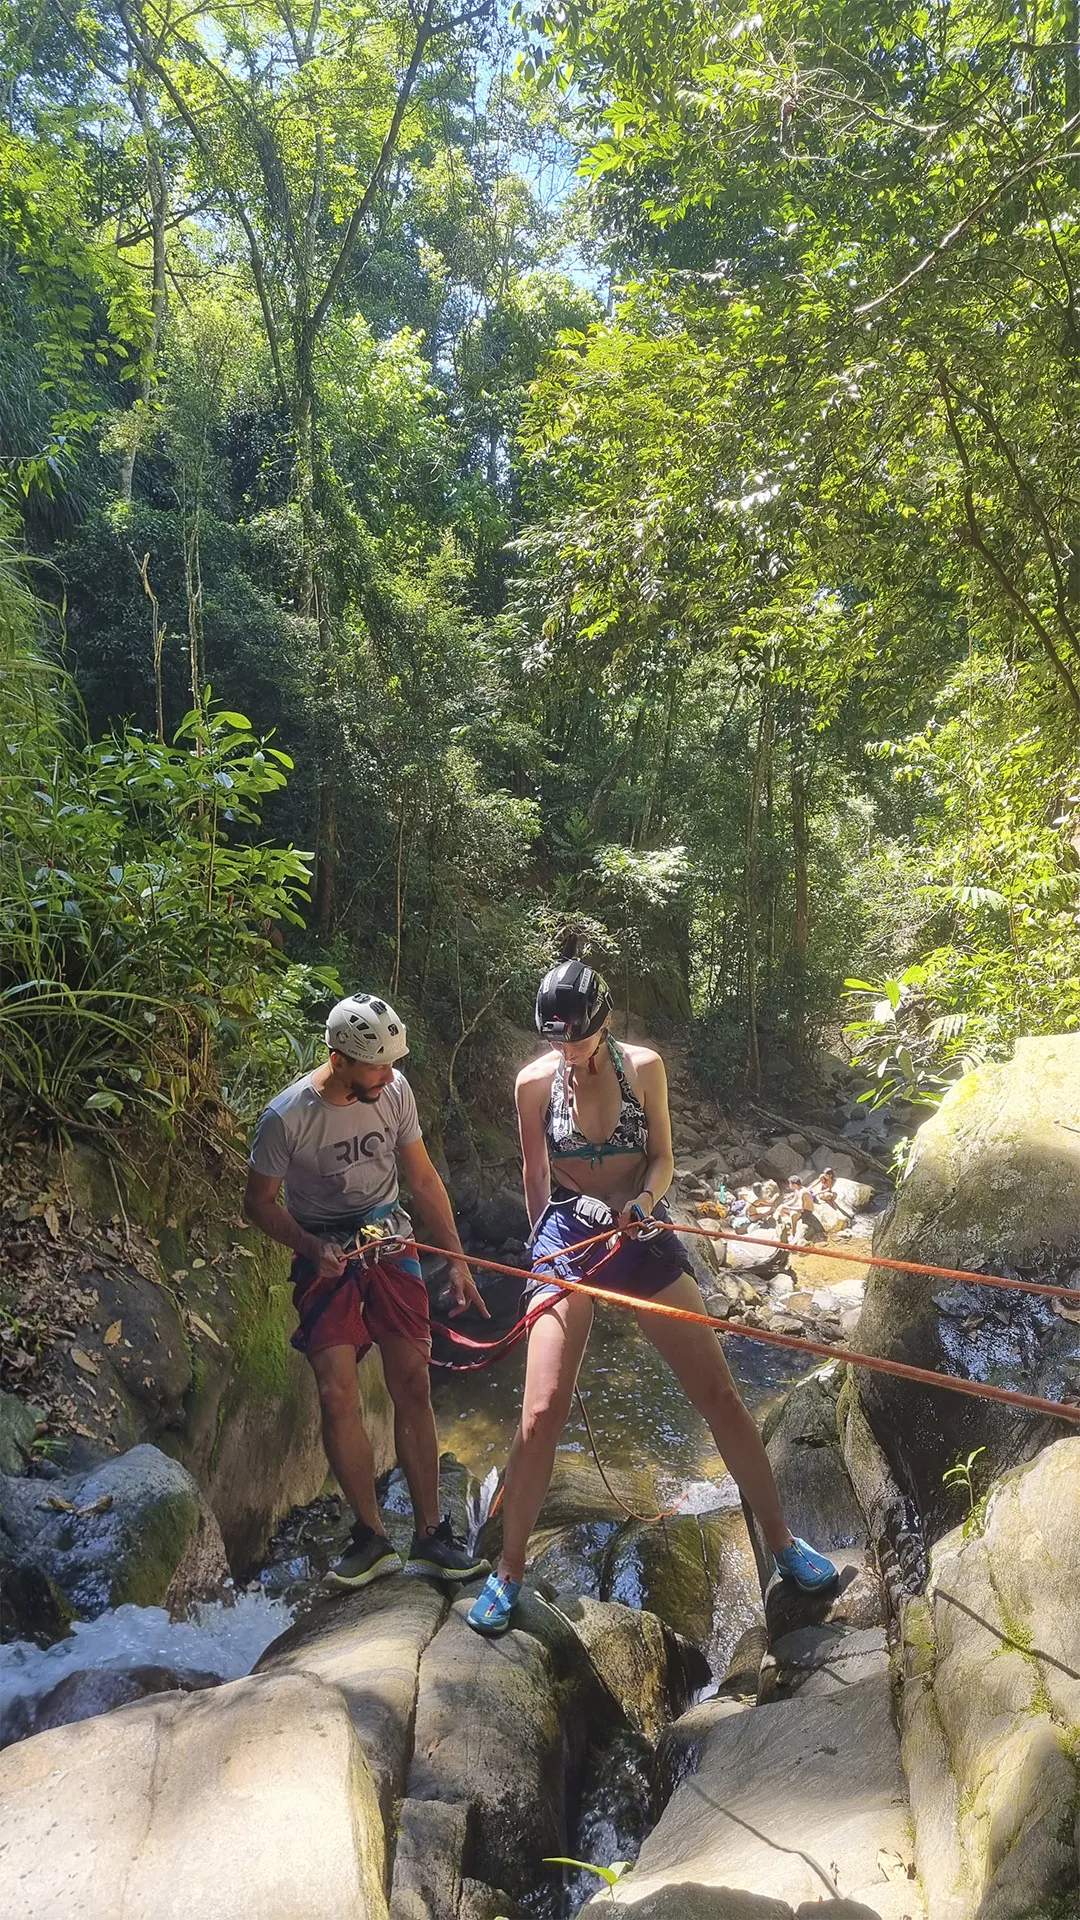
(640,1417)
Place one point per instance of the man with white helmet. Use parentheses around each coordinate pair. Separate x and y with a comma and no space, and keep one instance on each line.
(335,1140)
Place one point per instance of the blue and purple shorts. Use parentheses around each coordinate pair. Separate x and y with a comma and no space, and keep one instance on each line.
(640,1266)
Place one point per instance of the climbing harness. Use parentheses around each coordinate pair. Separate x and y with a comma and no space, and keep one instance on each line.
(871,1363)
(369,1245)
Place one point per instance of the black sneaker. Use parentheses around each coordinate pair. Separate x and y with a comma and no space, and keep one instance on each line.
(368,1556)
(440,1557)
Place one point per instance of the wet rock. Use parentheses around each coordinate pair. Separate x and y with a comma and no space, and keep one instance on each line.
(19,1424)
(571,1559)
(994,1180)
(790,1802)
(369,1644)
(991,1699)
(856,1600)
(651,1671)
(578,1497)
(134,1530)
(32,1606)
(802,1440)
(79,1696)
(253,1798)
(680,1746)
(740,1681)
(618,1806)
(696,1572)
(815,1659)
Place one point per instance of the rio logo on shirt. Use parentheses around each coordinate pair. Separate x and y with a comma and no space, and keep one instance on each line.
(349,1153)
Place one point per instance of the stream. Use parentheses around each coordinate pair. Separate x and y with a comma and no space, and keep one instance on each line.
(640,1417)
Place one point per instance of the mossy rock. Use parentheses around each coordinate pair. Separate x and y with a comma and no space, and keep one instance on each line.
(19,1424)
(696,1573)
(994,1183)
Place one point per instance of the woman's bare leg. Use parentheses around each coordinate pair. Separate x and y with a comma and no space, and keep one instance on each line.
(556,1345)
(695,1357)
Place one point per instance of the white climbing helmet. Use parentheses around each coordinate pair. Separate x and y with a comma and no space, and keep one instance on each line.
(367,1029)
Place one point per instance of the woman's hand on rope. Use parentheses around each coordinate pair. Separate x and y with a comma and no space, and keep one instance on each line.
(636,1213)
(466,1293)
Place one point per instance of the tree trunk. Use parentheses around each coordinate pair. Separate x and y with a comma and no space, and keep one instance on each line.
(762,756)
(157,191)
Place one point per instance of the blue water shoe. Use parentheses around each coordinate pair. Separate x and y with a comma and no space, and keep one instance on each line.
(807,1570)
(491,1613)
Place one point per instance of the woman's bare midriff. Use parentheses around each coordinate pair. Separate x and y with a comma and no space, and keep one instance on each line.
(618,1180)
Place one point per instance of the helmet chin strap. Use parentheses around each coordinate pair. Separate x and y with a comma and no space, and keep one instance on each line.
(592,1056)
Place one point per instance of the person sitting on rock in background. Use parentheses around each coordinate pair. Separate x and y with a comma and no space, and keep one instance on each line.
(336,1138)
(596,1146)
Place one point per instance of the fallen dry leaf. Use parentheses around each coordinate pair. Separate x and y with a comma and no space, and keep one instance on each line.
(58,1505)
(87,1432)
(100,1505)
(246,1251)
(179,1273)
(84,1360)
(52,1221)
(204,1326)
(112,1334)
(893,1865)
(198,1263)
(1065,1312)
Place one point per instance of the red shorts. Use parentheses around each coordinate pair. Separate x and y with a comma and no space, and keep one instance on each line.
(363,1306)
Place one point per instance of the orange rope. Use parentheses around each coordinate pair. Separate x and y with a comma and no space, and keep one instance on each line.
(872,1362)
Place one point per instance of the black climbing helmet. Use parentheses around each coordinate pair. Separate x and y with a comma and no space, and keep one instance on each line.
(572,1003)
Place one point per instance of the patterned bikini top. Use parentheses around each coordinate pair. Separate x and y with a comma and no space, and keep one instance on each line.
(564,1139)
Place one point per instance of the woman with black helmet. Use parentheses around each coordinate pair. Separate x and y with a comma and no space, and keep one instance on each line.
(596,1147)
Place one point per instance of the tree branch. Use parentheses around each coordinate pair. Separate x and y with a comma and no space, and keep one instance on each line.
(962,226)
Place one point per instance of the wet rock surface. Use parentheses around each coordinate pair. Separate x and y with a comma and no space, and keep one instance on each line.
(994,1183)
(134,1530)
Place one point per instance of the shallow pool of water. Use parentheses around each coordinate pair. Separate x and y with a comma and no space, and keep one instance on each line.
(639,1412)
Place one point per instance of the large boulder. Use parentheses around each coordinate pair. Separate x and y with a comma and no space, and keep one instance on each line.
(798,1802)
(802,1440)
(696,1572)
(369,1644)
(135,1530)
(994,1184)
(651,1671)
(506,1728)
(250,1802)
(991,1703)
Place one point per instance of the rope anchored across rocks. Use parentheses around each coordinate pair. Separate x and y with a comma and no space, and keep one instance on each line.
(871,1362)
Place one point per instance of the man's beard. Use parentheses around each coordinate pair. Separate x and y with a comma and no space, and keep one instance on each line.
(365,1094)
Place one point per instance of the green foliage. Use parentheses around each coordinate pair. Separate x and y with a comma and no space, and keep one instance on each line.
(960,1475)
(136,911)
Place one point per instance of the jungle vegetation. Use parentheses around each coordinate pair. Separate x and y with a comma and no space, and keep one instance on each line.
(464,471)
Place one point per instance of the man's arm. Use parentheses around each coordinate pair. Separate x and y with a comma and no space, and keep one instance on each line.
(433,1202)
(263,1210)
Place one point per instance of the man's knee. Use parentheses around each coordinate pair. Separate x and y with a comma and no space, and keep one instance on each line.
(339,1399)
(410,1385)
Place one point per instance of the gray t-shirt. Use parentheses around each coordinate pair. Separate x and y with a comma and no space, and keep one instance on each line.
(335,1161)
